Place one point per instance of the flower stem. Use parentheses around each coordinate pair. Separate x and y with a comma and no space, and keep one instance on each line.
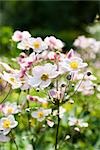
(29,126)
(15,144)
(6,96)
(13,139)
(57,130)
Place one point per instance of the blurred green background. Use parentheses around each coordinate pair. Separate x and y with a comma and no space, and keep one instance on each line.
(64,19)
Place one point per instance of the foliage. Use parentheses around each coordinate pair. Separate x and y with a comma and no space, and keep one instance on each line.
(80,106)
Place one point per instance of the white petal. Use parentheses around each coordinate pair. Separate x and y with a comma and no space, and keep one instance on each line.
(45,84)
(14,124)
(6,131)
(34,81)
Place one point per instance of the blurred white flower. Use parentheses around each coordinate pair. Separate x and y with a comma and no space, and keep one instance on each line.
(11,79)
(19,36)
(83,42)
(4,138)
(24,45)
(41,113)
(10,108)
(77,122)
(86,87)
(43,75)
(80,76)
(54,43)
(7,123)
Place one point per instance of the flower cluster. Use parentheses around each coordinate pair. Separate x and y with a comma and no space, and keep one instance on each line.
(44,67)
(8,122)
(90,47)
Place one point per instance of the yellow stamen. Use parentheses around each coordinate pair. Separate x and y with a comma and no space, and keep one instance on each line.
(40,114)
(10,110)
(6,124)
(74,65)
(0,80)
(12,79)
(36,44)
(44,77)
(45,104)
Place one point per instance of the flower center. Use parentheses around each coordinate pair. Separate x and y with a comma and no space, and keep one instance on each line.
(6,124)
(12,80)
(44,77)
(0,80)
(36,44)
(10,110)
(40,114)
(27,46)
(74,65)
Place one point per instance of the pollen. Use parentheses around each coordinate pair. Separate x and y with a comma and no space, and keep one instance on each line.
(0,80)
(36,44)
(12,79)
(74,65)
(6,124)
(10,110)
(44,77)
(40,114)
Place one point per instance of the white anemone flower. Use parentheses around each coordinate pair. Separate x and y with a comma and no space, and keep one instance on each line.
(72,64)
(43,75)
(11,79)
(86,87)
(10,108)
(7,123)
(24,45)
(73,121)
(54,43)
(19,36)
(37,44)
(41,113)
(83,42)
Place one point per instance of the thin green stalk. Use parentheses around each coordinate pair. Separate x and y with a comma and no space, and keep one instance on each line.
(13,139)
(6,96)
(57,130)
(29,126)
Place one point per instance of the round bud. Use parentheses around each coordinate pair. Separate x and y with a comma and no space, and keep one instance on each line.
(37,90)
(68,77)
(88,73)
(63,85)
(73,85)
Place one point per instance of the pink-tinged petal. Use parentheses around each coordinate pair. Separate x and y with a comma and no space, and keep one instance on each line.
(50,123)
(17,36)
(70,54)
(4,138)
